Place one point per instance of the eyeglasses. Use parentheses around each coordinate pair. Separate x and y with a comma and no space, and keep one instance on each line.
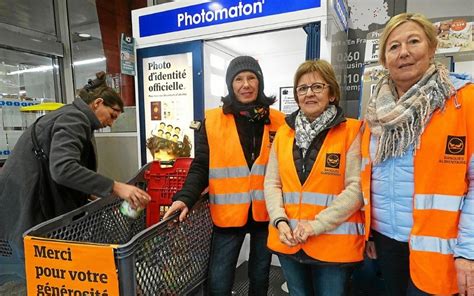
(116,111)
(316,88)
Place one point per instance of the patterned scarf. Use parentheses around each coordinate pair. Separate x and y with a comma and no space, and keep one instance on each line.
(399,123)
(306,131)
(255,113)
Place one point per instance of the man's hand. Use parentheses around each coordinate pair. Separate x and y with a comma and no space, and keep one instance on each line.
(177,206)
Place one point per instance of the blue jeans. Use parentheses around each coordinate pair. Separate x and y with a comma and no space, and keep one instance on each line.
(393,259)
(316,279)
(12,268)
(224,255)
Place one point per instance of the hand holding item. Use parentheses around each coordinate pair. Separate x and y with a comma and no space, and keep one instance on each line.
(286,235)
(136,197)
(465,274)
(177,206)
(302,231)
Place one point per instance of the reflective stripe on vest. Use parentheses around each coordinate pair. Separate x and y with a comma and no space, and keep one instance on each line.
(257,195)
(317,199)
(236,172)
(349,228)
(432,244)
(258,169)
(229,172)
(440,184)
(233,188)
(229,198)
(442,202)
(326,181)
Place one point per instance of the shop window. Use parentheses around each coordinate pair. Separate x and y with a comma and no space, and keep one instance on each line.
(35,15)
(25,79)
(87,47)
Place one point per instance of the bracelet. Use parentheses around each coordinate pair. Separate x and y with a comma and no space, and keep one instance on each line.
(280,220)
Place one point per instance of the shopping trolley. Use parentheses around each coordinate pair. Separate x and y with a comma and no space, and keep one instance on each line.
(164,179)
(168,258)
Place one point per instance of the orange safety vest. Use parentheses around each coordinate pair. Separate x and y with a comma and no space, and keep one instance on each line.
(232,186)
(325,182)
(440,179)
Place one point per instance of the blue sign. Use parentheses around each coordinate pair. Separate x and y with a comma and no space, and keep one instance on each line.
(127,55)
(216,12)
(16,104)
(342,13)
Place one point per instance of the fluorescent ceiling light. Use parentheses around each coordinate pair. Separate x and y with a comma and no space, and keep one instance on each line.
(91,61)
(84,35)
(49,68)
(31,70)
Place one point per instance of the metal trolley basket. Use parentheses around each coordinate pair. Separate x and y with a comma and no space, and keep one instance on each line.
(167,258)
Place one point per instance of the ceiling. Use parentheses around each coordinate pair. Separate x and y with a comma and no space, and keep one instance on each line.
(275,43)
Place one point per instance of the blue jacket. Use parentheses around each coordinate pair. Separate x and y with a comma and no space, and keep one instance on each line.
(392,194)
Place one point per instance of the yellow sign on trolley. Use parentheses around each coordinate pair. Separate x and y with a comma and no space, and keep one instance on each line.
(63,268)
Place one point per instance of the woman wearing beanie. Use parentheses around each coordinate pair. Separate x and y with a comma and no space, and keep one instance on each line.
(312,188)
(231,158)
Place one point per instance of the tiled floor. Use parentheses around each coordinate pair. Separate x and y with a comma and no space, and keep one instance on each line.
(366,281)
(12,289)
(241,284)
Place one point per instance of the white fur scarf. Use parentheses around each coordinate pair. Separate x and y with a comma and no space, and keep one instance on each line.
(399,123)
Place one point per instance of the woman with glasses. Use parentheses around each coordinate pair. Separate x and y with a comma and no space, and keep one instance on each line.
(65,135)
(312,188)
(231,156)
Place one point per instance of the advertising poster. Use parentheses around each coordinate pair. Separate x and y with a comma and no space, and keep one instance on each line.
(287,100)
(127,55)
(60,268)
(168,106)
(455,35)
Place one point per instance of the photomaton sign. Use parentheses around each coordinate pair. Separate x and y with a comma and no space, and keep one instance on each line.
(216,12)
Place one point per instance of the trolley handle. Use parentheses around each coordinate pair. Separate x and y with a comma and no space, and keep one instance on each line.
(79,216)
(142,185)
(167,162)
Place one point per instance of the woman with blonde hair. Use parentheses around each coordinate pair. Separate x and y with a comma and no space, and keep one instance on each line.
(418,166)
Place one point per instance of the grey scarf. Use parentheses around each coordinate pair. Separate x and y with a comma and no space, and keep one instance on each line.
(399,123)
(306,131)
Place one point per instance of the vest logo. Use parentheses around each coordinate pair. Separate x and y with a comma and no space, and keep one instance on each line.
(455,145)
(333,160)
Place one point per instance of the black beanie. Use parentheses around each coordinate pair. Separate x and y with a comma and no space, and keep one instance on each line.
(237,65)
(240,64)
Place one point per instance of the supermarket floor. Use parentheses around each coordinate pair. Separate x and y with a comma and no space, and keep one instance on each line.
(366,281)
(241,284)
(12,289)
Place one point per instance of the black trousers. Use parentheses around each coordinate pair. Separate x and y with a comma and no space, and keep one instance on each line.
(393,259)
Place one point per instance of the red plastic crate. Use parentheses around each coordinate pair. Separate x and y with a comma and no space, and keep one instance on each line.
(164,179)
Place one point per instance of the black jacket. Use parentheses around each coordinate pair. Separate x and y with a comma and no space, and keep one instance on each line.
(250,136)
